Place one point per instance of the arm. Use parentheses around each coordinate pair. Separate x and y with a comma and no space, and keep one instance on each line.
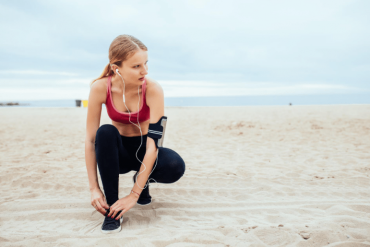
(92,125)
(96,99)
(155,101)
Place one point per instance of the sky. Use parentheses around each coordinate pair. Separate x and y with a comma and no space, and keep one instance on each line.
(54,49)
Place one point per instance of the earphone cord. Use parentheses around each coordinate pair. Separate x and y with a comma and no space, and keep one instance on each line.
(141,135)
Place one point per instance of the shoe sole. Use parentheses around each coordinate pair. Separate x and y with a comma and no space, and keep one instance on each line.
(115,230)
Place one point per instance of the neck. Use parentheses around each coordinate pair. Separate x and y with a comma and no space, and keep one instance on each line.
(129,86)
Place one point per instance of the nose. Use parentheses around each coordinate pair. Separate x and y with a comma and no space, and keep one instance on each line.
(145,72)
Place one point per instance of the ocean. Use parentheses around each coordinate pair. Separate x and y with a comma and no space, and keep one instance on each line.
(318,99)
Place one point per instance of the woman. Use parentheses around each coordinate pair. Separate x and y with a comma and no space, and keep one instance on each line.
(125,145)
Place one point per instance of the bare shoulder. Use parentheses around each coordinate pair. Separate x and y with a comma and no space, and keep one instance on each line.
(154,93)
(99,89)
(100,84)
(152,84)
(153,88)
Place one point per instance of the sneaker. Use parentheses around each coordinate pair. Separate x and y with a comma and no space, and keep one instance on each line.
(144,198)
(112,225)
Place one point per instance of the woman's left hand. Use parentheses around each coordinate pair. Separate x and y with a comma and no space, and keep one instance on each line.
(124,204)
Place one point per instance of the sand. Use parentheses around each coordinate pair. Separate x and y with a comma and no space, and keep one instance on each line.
(255,176)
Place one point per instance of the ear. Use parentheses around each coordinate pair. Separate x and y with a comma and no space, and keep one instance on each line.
(114,67)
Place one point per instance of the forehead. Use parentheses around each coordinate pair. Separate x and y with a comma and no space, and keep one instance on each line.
(139,56)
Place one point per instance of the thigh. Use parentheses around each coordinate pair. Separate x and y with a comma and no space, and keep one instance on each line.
(110,151)
(133,155)
(126,163)
(170,166)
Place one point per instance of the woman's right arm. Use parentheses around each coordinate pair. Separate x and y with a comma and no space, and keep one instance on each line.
(97,97)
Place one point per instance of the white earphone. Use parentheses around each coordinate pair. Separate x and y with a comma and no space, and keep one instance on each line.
(141,133)
(124,100)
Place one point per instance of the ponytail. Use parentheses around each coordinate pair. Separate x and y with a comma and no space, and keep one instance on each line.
(107,71)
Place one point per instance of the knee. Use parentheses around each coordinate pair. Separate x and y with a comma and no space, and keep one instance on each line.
(106,132)
(178,168)
(172,166)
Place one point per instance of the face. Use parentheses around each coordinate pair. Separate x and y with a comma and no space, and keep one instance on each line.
(134,68)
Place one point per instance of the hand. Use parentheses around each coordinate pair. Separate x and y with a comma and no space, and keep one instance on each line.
(123,204)
(98,201)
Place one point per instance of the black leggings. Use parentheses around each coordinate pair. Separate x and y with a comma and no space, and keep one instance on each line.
(116,154)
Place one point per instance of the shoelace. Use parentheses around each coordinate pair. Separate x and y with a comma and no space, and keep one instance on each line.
(108,210)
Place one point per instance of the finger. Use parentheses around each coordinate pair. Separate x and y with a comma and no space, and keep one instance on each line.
(102,204)
(105,203)
(114,214)
(100,208)
(117,211)
(96,204)
(106,213)
(114,208)
(111,212)
(93,203)
(120,213)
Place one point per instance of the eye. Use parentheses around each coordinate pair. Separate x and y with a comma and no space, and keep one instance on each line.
(139,65)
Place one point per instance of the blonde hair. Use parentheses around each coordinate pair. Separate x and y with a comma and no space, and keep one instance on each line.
(121,49)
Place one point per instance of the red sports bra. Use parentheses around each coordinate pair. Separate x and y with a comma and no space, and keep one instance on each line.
(123,117)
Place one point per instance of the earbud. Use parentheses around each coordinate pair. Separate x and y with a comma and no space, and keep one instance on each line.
(124,100)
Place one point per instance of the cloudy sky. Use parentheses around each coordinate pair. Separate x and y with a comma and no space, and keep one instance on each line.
(53,49)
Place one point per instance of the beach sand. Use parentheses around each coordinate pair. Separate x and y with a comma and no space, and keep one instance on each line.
(255,176)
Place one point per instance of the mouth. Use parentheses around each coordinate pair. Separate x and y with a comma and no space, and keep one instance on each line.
(141,78)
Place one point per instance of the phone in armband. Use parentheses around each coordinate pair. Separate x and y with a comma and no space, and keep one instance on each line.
(163,122)
(157,130)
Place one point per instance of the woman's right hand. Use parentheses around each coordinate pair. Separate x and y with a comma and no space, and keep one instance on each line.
(98,201)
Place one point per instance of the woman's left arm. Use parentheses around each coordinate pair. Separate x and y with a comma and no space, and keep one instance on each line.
(155,101)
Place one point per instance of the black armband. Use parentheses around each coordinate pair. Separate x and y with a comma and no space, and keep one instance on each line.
(156,131)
